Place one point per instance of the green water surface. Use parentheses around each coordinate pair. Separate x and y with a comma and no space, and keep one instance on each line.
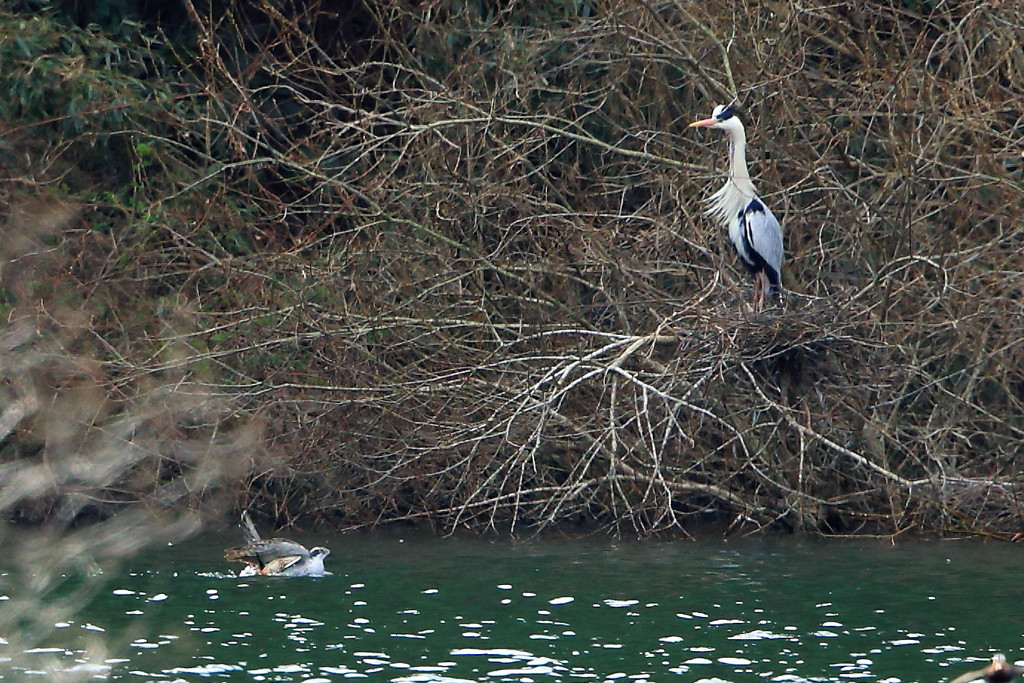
(418,608)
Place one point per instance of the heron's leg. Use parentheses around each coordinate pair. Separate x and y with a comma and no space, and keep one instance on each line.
(759,279)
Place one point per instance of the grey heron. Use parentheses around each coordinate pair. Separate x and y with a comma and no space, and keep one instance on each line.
(275,556)
(999,671)
(753,229)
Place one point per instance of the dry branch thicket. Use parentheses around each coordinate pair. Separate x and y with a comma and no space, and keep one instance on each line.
(446,263)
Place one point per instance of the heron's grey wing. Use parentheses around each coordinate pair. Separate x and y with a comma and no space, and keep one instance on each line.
(764,234)
(273,548)
(261,553)
(243,553)
(249,529)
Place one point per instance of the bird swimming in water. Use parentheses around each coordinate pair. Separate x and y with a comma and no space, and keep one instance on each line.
(753,229)
(999,671)
(275,556)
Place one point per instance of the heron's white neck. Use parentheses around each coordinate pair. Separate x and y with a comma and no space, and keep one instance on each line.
(738,190)
(738,152)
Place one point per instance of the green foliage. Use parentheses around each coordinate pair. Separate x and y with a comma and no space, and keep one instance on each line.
(77,79)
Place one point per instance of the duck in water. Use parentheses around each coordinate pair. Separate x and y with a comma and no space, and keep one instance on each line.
(275,556)
(999,671)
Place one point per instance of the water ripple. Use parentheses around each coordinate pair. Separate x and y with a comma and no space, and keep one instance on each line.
(476,611)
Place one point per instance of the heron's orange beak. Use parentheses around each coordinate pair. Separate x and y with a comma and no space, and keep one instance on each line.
(704,123)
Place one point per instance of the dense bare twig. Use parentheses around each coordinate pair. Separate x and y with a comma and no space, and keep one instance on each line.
(456,269)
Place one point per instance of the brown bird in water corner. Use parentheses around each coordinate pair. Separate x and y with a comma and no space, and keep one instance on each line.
(999,671)
(275,556)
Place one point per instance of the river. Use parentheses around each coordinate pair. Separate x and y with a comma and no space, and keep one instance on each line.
(416,608)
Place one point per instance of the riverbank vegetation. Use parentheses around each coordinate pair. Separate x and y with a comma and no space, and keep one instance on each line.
(377,262)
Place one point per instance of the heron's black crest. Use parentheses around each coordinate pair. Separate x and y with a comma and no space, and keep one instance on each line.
(726,113)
